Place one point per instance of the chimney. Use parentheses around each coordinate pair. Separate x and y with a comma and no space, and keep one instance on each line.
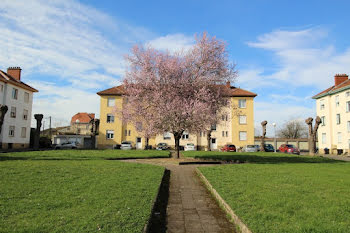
(228,84)
(14,72)
(340,78)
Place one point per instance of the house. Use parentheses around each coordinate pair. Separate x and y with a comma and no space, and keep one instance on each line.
(333,107)
(237,127)
(18,97)
(82,123)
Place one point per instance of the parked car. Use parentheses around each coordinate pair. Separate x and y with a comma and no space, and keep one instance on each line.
(288,148)
(189,147)
(269,148)
(251,148)
(229,148)
(67,145)
(162,146)
(126,145)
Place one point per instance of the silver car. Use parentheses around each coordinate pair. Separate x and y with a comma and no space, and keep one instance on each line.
(67,145)
(126,145)
(251,148)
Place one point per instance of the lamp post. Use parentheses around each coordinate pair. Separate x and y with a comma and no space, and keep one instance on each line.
(275,142)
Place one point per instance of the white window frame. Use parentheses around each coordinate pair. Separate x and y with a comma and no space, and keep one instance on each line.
(322,104)
(323,120)
(13,112)
(12,131)
(347,106)
(110,102)
(166,136)
(242,119)
(110,118)
(348,125)
(1,87)
(26,97)
(109,134)
(339,137)
(243,135)
(185,136)
(14,93)
(347,94)
(242,103)
(213,127)
(25,114)
(337,101)
(338,119)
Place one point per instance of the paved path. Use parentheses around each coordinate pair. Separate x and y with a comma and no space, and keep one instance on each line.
(191,208)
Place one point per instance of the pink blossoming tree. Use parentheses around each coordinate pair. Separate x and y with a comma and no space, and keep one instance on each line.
(177,92)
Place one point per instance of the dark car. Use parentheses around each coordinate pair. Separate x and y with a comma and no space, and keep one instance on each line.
(269,148)
(162,146)
(288,148)
(229,148)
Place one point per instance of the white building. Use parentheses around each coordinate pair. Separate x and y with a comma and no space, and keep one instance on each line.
(18,97)
(333,106)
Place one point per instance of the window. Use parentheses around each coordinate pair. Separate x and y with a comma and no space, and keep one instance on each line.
(242,120)
(348,106)
(226,133)
(1,87)
(347,94)
(129,132)
(111,102)
(242,103)
(166,136)
(348,126)
(185,135)
(110,118)
(339,137)
(321,104)
(338,119)
(243,136)
(13,112)
(224,117)
(26,97)
(324,138)
(323,120)
(202,134)
(337,101)
(139,126)
(25,114)
(223,133)
(213,127)
(12,131)
(14,93)
(24,132)
(110,134)
(126,132)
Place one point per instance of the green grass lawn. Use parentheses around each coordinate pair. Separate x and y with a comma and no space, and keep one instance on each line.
(257,157)
(51,195)
(286,197)
(83,154)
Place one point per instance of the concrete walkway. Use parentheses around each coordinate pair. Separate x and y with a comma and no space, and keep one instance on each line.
(191,208)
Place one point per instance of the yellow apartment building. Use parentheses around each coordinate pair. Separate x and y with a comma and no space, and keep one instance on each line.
(333,107)
(236,126)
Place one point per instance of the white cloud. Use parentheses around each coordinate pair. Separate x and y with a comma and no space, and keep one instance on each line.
(303,58)
(172,42)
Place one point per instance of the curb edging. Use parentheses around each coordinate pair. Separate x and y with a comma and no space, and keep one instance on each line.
(237,221)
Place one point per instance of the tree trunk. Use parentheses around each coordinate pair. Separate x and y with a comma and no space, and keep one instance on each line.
(147,143)
(262,145)
(209,139)
(177,137)
(3,111)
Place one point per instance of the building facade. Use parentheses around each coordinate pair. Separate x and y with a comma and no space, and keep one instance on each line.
(82,123)
(18,97)
(333,107)
(235,127)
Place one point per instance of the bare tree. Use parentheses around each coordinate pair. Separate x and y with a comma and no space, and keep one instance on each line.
(293,129)
(313,133)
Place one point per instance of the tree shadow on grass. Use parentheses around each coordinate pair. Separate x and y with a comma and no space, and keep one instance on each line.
(273,159)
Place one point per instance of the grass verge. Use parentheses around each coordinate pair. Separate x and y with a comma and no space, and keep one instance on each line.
(82,154)
(286,197)
(76,196)
(257,157)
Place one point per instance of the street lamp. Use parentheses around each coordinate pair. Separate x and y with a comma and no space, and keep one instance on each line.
(275,142)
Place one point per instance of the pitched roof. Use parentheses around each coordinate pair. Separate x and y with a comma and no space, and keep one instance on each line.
(333,89)
(83,117)
(6,78)
(231,92)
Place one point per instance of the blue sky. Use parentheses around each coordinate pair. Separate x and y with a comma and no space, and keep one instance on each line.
(285,51)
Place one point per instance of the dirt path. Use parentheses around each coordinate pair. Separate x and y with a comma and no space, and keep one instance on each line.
(191,208)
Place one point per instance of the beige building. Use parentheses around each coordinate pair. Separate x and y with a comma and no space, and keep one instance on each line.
(236,126)
(333,106)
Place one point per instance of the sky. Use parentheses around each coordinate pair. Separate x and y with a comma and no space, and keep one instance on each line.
(285,51)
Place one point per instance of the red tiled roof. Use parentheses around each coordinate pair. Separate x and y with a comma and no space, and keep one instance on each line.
(232,92)
(4,77)
(83,117)
(332,89)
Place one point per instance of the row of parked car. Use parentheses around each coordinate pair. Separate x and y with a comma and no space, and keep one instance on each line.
(284,148)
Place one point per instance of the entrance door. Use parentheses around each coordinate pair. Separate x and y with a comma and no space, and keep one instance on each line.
(213,144)
(138,143)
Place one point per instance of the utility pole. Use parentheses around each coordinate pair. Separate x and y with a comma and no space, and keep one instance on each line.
(50,129)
